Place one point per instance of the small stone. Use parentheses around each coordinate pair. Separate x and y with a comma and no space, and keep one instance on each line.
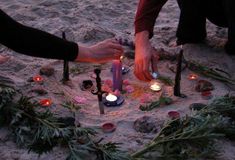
(203,85)
(146,124)
(47,71)
(197,106)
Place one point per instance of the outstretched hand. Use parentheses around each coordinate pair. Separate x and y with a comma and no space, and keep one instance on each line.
(145,56)
(101,52)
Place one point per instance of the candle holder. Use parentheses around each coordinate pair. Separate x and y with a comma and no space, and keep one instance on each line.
(99,91)
(112,100)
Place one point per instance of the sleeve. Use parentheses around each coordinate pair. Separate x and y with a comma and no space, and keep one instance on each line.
(146,15)
(34,42)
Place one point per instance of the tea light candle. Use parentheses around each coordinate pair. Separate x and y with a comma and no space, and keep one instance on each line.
(206,95)
(111,98)
(108,127)
(155,86)
(193,76)
(37,78)
(45,102)
(173,114)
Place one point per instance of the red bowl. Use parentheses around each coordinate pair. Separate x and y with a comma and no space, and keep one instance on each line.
(108,127)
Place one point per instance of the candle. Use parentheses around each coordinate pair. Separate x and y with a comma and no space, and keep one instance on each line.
(111,98)
(193,76)
(174,114)
(206,95)
(45,102)
(37,78)
(155,86)
(117,75)
(108,127)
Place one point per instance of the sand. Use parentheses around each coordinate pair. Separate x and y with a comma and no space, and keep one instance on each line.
(89,21)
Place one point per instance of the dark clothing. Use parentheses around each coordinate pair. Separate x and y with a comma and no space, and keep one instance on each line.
(192,23)
(33,42)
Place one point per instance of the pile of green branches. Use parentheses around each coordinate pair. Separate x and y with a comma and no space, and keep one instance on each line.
(193,137)
(39,130)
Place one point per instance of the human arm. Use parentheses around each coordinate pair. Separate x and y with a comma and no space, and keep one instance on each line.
(146,15)
(34,42)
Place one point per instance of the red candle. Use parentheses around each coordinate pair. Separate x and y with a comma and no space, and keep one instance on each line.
(108,127)
(117,75)
(45,102)
(37,78)
(206,95)
(193,76)
(174,114)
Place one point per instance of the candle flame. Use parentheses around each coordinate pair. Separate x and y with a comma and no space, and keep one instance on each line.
(155,87)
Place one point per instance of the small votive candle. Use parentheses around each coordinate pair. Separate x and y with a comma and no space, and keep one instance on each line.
(206,95)
(45,102)
(111,98)
(155,86)
(37,78)
(173,114)
(192,76)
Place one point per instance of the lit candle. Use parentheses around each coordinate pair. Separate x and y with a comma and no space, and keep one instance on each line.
(111,98)
(37,78)
(45,102)
(192,76)
(155,86)
(117,75)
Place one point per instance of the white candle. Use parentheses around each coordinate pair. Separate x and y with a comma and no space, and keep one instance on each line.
(155,86)
(111,98)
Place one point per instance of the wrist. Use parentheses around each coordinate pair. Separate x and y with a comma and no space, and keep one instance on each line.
(84,53)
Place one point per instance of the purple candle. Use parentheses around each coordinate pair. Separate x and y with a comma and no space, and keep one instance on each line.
(117,75)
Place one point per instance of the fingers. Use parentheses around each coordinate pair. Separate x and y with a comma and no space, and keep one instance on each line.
(142,70)
(154,62)
(116,46)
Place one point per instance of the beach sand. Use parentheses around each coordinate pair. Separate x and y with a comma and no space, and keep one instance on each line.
(90,21)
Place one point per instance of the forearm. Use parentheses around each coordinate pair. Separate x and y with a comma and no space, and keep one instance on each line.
(146,15)
(34,42)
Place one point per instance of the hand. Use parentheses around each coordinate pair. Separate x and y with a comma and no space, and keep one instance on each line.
(101,52)
(145,55)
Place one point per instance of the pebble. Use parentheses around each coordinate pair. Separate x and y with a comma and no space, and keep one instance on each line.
(203,85)
(47,71)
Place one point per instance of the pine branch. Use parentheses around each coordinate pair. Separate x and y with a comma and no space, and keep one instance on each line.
(156,104)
